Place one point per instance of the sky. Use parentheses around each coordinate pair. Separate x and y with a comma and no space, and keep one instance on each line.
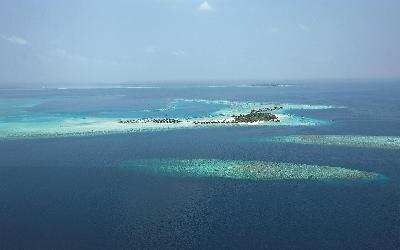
(93,41)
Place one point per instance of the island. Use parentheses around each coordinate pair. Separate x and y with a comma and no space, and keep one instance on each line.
(254,116)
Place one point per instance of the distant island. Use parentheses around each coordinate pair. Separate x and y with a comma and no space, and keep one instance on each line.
(269,85)
(260,115)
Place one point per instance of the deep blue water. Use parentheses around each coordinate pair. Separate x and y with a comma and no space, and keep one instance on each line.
(69,193)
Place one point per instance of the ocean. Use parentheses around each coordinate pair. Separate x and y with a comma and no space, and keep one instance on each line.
(68,178)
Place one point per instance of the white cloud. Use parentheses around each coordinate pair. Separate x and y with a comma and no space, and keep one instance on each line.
(151,50)
(205,6)
(83,59)
(15,40)
(303,27)
(273,30)
(178,52)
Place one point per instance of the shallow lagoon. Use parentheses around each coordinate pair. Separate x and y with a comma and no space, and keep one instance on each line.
(51,116)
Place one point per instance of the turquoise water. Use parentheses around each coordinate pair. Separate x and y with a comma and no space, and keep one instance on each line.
(383,142)
(56,114)
(248,170)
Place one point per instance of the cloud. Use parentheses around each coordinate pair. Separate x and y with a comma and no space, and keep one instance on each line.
(76,58)
(303,27)
(15,40)
(151,50)
(273,30)
(205,6)
(178,52)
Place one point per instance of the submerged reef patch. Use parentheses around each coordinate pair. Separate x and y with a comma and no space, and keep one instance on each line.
(383,142)
(247,170)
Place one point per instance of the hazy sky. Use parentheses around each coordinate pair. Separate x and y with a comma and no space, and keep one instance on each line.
(123,40)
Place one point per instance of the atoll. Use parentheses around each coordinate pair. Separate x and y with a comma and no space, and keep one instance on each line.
(221,113)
